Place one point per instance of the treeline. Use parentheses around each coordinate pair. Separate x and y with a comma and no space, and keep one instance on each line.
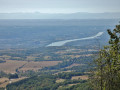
(66,75)
(59,65)
(81,60)
(1,61)
(47,82)
(2,88)
(10,76)
(3,74)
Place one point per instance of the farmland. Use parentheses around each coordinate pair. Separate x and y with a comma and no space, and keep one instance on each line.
(10,66)
(5,81)
(24,53)
(83,77)
(22,60)
(35,66)
(57,62)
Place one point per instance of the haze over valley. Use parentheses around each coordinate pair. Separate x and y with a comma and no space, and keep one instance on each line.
(59,44)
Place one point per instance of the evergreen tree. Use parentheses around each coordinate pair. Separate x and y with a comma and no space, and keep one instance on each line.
(107,73)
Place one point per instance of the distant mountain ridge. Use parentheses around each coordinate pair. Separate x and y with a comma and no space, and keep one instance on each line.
(78,15)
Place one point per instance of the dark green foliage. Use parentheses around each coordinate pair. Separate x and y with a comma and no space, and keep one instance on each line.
(45,82)
(34,83)
(107,74)
(81,60)
(2,88)
(81,86)
(13,76)
(69,75)
(1,61)
(3,74)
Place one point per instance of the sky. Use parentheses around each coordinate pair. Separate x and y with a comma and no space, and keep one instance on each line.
(59,6)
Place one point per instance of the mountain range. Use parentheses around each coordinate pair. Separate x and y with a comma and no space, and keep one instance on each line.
(78,15)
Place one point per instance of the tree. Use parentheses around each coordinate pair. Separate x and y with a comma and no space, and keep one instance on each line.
(107,72)
(13,76)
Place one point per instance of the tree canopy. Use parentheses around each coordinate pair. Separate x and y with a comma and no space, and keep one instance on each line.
(107,73)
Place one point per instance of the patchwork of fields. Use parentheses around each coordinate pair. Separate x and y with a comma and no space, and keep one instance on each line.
(10,66)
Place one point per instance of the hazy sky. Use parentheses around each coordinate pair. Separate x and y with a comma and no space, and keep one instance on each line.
(59,6)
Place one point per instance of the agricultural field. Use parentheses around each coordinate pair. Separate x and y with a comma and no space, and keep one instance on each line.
(58,61)
(83,77)
(21,60)
(5,81)
(10,66)
(35,66)
(74,64)
(60,80)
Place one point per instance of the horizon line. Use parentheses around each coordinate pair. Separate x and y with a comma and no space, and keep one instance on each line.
(54,12)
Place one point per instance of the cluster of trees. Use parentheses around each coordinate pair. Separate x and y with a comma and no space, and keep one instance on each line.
(10,76)
(1,61)
(60,65)
(66,75)
(107,73)
(44,82)
(2,88)
(81,86)
(81,60)
(13,76)
(3,74)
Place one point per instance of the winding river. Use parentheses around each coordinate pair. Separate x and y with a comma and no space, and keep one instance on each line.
(61,43)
